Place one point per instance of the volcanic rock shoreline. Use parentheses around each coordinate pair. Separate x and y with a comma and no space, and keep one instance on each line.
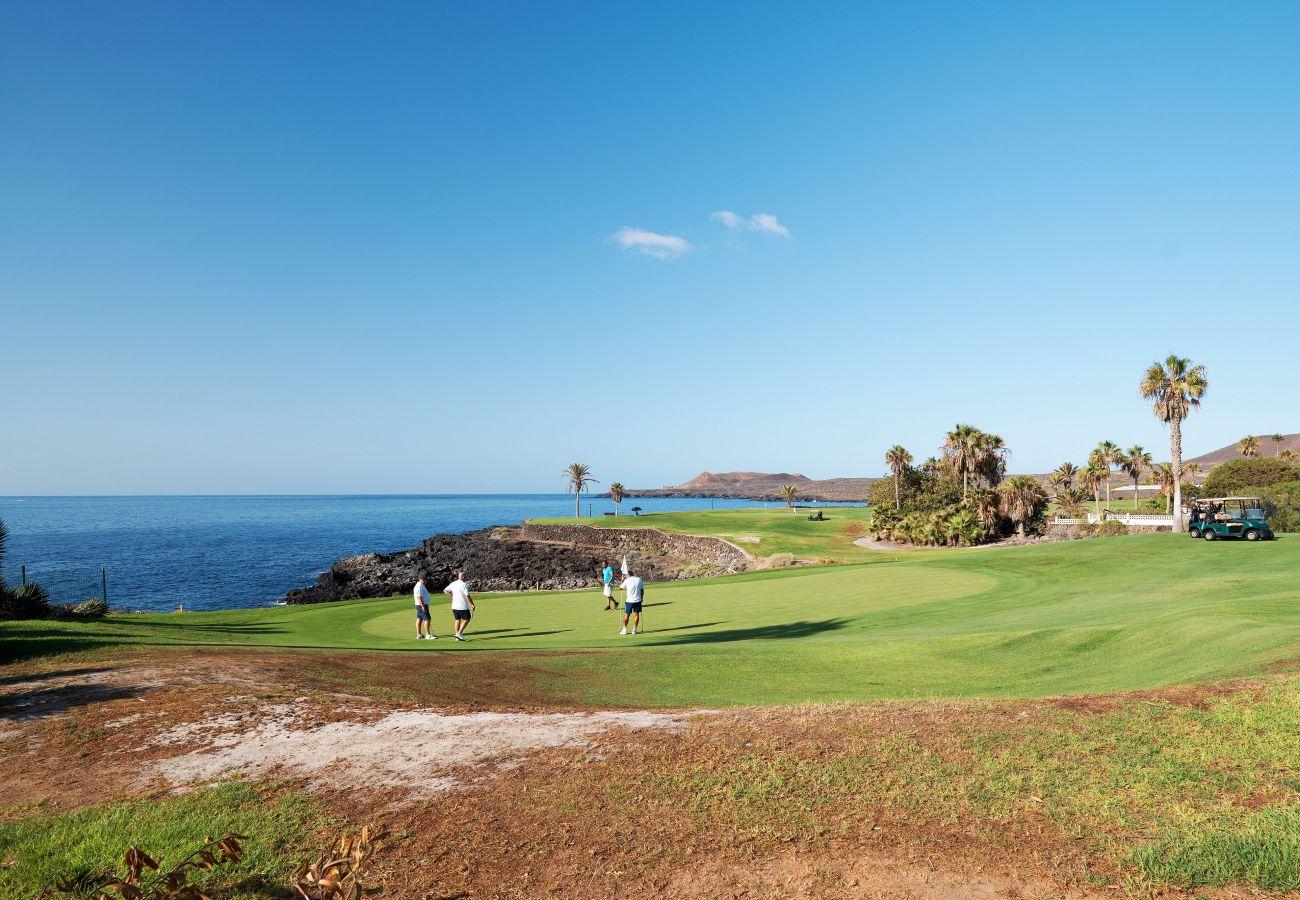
(523,558)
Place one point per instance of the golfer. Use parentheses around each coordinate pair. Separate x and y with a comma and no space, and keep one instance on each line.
(607,578)
(423,630)
(461,604)
(635,588)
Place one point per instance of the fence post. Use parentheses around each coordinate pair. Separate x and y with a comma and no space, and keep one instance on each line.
(24,568)
(103,583)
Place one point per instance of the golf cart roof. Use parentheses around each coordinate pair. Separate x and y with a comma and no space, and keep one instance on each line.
(1226,499)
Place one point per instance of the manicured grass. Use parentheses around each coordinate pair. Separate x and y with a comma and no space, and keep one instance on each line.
(1082,617)
(37,849)
(761,532)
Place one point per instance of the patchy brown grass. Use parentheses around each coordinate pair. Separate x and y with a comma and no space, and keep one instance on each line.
(905,799)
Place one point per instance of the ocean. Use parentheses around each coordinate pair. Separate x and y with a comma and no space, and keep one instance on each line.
(239,552)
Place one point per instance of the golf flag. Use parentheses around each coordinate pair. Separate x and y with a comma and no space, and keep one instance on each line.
(624,567)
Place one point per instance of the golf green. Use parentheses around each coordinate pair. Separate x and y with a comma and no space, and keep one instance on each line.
(1082,617)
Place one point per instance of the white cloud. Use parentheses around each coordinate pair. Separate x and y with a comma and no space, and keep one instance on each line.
(757,222)
(660,246)
(728,218)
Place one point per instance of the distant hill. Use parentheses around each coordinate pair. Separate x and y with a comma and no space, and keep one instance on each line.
(1266,448)
(767,485)
(761,486)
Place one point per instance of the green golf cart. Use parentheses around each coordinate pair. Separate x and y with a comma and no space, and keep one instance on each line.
(1229,517)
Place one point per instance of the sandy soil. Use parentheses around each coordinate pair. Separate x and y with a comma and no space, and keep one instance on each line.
(420,751)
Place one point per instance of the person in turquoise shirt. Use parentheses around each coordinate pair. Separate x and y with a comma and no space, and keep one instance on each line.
(608,578)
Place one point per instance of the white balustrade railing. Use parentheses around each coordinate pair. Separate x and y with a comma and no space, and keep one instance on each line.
(1149,519)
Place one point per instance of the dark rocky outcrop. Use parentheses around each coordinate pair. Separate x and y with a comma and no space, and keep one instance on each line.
(505,559)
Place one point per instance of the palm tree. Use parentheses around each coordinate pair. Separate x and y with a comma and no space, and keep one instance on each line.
(1058,482)
(1020,498)
(1248,446)
(1106,456)
(1288,454)
(984,504)
(616,494)
(991,465)
(898,459)
(1277,440)
(788,491)
(1067,472)
(1135,461)
(961,448)
(1162,474)
(1191,470)
(579,475)
(1093,478)
(1175,388)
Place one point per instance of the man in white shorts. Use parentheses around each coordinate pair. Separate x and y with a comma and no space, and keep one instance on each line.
(607,577)
(461,604)
(423,630)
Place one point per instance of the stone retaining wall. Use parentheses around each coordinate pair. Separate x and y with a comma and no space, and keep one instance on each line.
(646,542)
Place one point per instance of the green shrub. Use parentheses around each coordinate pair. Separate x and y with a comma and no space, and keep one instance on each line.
(777,561)
(1111,528)
(1283,505)
(1239,476)
(92,608)
(30,601)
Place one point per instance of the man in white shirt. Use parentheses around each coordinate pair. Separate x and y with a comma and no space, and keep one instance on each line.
(635,588)
(423,630)
(461,603)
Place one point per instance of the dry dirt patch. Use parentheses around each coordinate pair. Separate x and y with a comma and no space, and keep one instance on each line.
(422,751)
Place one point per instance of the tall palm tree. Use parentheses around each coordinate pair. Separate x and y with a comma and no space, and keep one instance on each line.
(1175,388)
(1093,478)
(616,494)
(961,448)
(1135,461)
(1162,474)
(1288,454)
(579,475)
(991,464)
(898,459)
(788,491)
(1277,440)
(1020,498)
(1248,446)
(1106,456)
(1067,471)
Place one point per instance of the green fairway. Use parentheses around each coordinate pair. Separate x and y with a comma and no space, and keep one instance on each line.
(761,532)
(1088,616)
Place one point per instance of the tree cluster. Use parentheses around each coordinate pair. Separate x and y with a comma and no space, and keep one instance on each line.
(960,499)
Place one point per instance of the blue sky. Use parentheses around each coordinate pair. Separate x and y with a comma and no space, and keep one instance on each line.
(253,247)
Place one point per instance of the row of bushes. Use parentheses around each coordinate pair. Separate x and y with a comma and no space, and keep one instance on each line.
(1249,476)
(1275,480)
(32,601)
(951,526)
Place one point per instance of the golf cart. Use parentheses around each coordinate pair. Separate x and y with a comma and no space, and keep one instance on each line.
(1229,517)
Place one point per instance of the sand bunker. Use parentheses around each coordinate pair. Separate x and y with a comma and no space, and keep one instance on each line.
(423,751)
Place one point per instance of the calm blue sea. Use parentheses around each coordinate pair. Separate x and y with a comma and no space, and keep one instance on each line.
(234,552)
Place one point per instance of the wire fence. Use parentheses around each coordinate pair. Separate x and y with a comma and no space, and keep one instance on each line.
(65,585)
